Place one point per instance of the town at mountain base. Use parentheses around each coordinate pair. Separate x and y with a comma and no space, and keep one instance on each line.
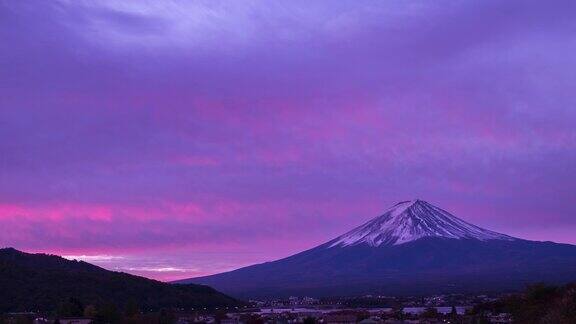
(413,248)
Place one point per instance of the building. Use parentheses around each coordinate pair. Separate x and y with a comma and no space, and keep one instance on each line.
(75,321)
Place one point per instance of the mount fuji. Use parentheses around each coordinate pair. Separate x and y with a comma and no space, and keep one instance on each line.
(413,248)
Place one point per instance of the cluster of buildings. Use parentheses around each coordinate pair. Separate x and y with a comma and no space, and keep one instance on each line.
(33,318)
(308,310)
(301,315)
(408,315)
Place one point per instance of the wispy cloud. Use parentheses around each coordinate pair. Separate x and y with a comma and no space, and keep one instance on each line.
(94,258)
(158,269)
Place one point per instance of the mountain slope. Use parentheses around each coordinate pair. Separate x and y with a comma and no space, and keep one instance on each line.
(41,282)
(413,248)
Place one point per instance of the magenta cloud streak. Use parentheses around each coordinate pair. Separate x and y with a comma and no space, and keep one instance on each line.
(177,138)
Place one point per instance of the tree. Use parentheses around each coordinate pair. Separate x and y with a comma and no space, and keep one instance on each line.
(453,312)
(90,311)
(108,313)
(131,309)
(71,307)
(309,320)
(430,312)
(563,310)
(165,317)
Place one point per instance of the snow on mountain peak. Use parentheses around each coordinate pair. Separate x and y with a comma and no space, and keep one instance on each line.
(411,220)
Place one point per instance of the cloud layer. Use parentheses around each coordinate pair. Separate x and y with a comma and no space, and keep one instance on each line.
(195,137)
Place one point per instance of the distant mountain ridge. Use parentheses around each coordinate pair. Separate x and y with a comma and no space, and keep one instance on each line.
(41,282)
(412,248)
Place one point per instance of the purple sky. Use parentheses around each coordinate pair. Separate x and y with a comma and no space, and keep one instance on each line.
(179,138)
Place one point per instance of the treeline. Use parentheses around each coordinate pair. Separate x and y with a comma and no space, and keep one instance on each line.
(109,313)
(540,303)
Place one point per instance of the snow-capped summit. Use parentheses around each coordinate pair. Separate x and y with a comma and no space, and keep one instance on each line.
(411,220)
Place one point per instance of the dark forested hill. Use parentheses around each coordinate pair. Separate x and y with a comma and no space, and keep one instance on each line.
(539,303)
(41,282)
